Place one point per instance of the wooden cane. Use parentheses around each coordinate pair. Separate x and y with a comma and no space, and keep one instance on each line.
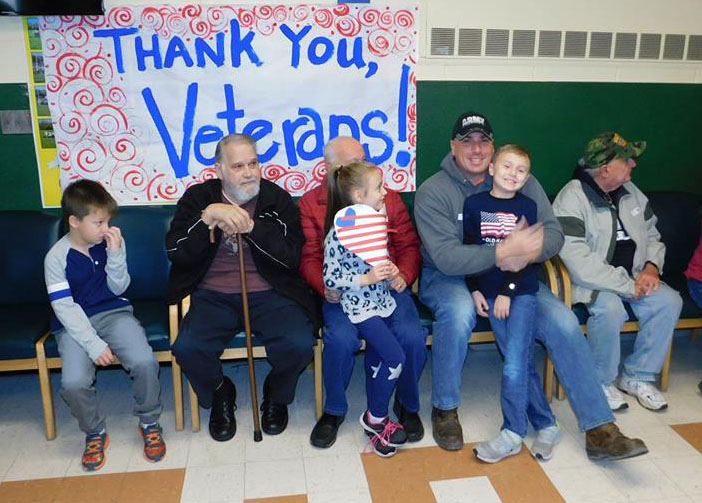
(249,344)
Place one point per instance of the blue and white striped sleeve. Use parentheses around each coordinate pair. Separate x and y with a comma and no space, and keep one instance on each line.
(70,314)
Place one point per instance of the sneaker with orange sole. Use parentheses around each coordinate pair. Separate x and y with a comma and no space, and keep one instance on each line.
(154,446)
(94,453)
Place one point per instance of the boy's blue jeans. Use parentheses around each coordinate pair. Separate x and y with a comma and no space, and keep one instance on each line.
(515,339)
(557,328)
(342,340)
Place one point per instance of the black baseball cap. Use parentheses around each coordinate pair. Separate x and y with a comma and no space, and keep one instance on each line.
(471,122)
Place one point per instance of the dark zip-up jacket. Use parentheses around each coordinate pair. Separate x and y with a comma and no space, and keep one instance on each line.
(275,241)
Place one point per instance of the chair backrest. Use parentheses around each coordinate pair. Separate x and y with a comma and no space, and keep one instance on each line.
(27,236)
(679,215)
(144,229)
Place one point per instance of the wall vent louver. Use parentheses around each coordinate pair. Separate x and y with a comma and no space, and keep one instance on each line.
(442,41)
(496,42)
(470,42)
(575,42)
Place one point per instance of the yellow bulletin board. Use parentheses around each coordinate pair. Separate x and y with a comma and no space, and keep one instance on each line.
(44,140)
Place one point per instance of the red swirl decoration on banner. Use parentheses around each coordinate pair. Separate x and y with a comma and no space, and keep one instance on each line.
(403,43)
(174,24)
(108,120)
(319,171)
(99,70)
(117,97)
(380,42)
(400,179)
(369,16)
(324,18)
(73,124)
(77,36)
(200,28)
(300,12)
(152,19)
(162,187)
(52,43)
(70,65)
(412,112)
(94,21)
(342,10)
(273,172)
(120,17)
(123,148)
(404,19)
(263,11)
(89,156)
(348,26)
(130,177)
(413,79)
(387,19)
(217,19)
(63,154)
(412,138)
(265,27)
(293,181)
(280,13)
(53,83)
(84,98)
(246,18)
(192,10)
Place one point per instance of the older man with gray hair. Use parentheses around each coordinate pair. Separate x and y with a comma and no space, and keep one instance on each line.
(203,249)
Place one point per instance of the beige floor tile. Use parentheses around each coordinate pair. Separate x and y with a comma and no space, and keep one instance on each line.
(641,479)
(334,474)
(274,478)
(465,490)
(685,471)
(209,484)
(584,484)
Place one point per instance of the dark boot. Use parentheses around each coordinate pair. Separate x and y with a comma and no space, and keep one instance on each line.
(410,421)
(274,417)
(324,432)
(222,420)
(447,430)
(607,442)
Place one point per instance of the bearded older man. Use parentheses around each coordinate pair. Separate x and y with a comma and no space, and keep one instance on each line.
(204,254)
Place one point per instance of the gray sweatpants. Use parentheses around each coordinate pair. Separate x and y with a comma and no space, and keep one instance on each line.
(126,338)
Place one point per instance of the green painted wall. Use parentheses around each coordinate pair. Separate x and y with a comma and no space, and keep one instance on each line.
(553,120)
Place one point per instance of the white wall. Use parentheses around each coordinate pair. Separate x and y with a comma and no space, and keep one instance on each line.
(654,16)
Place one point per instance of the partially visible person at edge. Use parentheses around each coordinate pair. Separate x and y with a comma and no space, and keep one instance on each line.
(438,212)
(693,273)
(341,340)
(204,253)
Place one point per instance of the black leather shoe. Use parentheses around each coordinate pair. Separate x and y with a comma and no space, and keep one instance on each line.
(410,421)
(324,432)
(274,417)
(222,420)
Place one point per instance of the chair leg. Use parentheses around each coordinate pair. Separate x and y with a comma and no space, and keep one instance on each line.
(194,409)
(47,396)
(318,388)
(665,371)
(548,379)
(176,373)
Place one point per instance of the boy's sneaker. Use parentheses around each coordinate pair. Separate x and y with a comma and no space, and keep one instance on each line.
(648,396)
(546,440)
(154,446)
(496,449)
(615,399)
(385,436)
(94,453)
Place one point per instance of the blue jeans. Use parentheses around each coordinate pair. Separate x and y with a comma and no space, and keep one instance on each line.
(695,288)
(557,328)
(515,340)
(342,341)
(657,314)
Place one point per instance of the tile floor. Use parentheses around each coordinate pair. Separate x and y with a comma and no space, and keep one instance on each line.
(287,469)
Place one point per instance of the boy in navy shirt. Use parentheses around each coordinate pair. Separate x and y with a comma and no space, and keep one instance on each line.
(86,271)
(509,300)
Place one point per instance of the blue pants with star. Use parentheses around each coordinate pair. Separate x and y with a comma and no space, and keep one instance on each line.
(384,360)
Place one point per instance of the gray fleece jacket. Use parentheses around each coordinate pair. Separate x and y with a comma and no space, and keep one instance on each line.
(438,211)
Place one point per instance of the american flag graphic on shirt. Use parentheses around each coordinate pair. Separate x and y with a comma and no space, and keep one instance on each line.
(497,225)
(363,231)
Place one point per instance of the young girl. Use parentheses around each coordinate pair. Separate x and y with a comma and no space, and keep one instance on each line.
(356,221)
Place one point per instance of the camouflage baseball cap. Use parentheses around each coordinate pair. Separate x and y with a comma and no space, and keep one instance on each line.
(606,146)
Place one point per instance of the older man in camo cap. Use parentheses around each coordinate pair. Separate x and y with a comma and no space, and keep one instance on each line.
(615,257)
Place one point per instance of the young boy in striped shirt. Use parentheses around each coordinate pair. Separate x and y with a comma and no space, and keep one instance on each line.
(86,272)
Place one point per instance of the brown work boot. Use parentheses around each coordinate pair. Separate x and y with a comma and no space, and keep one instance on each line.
(447,430)
(607,442)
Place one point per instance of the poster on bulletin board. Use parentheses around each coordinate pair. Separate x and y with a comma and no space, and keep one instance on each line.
(138,98)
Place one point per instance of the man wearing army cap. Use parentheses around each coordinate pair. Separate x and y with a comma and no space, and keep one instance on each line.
(615,256)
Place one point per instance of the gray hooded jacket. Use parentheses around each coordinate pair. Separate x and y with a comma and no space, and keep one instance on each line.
(439,214)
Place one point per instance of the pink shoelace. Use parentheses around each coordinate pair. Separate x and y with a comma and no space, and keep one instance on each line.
(384,436)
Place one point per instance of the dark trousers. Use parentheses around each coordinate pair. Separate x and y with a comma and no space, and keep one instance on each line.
(214,318)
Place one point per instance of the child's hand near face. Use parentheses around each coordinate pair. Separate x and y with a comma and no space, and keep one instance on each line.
(113,237)
(501,308)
